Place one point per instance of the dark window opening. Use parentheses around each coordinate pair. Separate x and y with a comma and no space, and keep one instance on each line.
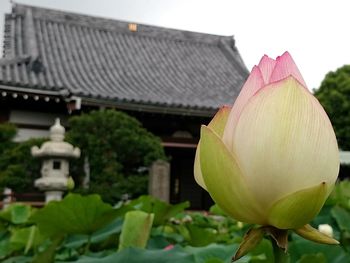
(56,165)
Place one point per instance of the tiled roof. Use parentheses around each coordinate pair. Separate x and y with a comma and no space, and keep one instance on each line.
(98,58)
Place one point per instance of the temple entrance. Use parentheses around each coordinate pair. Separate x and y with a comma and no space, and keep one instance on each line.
(183,187)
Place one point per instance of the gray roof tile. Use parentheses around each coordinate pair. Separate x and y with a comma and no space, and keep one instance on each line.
(100,58)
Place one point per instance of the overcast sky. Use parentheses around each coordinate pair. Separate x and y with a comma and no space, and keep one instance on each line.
(315,32)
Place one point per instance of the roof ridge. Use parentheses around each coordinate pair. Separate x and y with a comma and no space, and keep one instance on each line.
(8,40)
(117,25)
(29,34)
(230,51)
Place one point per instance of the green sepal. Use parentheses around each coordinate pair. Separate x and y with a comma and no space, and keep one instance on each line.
(299,208)
(217,124)
(225,181)
(312,234)
(250,240)
(254,236)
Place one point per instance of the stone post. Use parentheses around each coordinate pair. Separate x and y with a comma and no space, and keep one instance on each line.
(159,180)
(7,197)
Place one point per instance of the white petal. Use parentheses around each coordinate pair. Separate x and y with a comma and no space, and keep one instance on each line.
(285,142)
(251,86)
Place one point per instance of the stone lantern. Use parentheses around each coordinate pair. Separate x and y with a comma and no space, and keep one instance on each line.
(55,165)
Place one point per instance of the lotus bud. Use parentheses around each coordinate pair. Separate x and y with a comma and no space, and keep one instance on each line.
(272,158)
(326,229)
(70,183)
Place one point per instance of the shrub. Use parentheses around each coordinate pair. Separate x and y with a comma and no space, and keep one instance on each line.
(18,169)
(7,133)
(118,149)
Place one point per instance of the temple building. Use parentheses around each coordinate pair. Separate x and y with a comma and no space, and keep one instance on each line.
(56,64)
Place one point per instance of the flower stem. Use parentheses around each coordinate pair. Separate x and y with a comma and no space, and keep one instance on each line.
(87,246)
(279,254)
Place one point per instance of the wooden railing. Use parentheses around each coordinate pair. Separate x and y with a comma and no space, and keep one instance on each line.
(33,199)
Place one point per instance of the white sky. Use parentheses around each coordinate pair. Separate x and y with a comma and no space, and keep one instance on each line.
(315,32)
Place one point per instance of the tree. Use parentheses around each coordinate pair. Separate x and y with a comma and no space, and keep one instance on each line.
(7,133)
(119,150)
(18,169)
(334,95)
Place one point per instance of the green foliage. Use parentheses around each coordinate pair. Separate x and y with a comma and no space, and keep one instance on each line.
(84,229)
(16,214)
(48,255)
(162,210)
(212,253)
(334,95)
(133,255)
(340,195)
(300,248)
(215,209)
(112,229)
(18,169)
(313,258)
(7,133)
(118,148)
(74,215)
(26,238)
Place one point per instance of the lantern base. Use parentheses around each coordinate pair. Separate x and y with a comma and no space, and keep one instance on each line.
(53,196)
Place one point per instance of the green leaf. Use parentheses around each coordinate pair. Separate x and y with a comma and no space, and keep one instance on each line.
(26,238)
(170,233)
(262,253)
(75,241)
(211,252)
(200,236)
(157,242)
(136,229)
(5,248)
(340,194)
(214,260)
(137,255)
(162,211)
(324,216)
(313,258)
(215,209)
(300,246)
(75,214)
(48,255)
(342,217)
(16,213)
(18,259)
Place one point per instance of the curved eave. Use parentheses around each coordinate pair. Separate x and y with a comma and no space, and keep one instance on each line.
(152,108)
(33,91)
(115,103)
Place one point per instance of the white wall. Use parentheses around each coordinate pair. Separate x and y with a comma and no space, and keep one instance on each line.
(32,118)
(344,157)
(25,134)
